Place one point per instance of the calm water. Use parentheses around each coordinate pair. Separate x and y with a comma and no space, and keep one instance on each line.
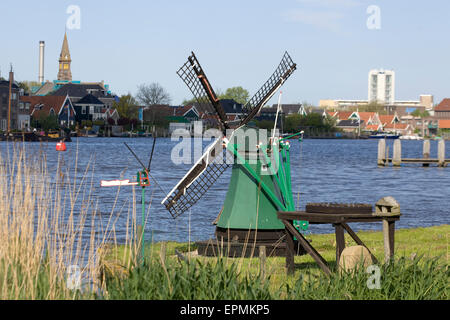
(322,171)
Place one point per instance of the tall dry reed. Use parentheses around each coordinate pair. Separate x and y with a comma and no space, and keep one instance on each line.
(50,230)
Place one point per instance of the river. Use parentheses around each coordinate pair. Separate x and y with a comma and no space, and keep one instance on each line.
(332,170)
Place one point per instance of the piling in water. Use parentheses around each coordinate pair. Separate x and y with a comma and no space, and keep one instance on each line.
(397,154)
(382,152)
(426,151)
(441,153)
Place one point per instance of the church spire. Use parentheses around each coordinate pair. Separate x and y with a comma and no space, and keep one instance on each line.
(64,73)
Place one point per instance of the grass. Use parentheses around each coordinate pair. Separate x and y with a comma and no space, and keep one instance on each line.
(419,271)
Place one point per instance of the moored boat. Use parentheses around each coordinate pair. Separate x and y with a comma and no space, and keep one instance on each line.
(384,136)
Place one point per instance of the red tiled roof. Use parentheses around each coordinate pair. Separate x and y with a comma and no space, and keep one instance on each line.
(396,126)
(366,116)
(47,102)
(331,113)
(386,119)
(443,106)
(444,124)
(344,115)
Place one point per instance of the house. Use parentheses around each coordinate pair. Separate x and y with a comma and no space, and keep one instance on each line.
(77,91)
(44,106)
(369,118)
(399,128)
(442,110)
(444,124)
(388,119)
(373,127)
(90,108)
(19,115)
(350,125)
(343,115)
(289,109)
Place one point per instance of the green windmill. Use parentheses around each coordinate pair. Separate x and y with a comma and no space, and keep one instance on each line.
(260,184)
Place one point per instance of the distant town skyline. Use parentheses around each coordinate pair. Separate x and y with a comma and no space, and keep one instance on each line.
(238,44)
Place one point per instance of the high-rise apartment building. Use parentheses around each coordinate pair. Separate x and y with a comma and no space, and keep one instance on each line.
(382,86)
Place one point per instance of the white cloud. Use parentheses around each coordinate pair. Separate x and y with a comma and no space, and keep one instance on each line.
(326,20)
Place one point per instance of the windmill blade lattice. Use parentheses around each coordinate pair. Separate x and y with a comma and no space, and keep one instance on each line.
(198,180)
(194,77)
(283,71)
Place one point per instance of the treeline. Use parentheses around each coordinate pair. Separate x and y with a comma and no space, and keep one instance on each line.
(296,122)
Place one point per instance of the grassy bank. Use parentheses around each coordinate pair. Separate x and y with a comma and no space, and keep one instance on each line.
(419,271)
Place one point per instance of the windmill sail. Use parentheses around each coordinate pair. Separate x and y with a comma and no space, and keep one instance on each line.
(207,170)
(284,70)
(193,75)
(198,180)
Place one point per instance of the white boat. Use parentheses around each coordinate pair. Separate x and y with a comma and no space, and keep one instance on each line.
(411,137)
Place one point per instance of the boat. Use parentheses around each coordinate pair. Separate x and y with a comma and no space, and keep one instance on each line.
(411,137)
(34,137)
(384,136)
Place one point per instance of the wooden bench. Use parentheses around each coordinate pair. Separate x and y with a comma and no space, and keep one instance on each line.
(340,222)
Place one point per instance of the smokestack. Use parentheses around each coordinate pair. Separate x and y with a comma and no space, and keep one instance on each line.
(41,61)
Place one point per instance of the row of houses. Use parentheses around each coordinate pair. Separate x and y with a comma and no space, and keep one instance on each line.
(358,122)
(68,111)
(70,103)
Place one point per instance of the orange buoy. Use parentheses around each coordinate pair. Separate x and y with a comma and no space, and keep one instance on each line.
(61,146)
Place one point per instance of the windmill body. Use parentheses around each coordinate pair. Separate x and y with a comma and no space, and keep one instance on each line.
(260,183)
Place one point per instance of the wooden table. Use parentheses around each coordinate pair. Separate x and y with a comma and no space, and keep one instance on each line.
(340,222)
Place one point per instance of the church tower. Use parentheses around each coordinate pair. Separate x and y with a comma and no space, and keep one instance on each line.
(64,73)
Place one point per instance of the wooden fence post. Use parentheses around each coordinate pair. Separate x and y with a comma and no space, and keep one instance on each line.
(382,161)
(397,154)
(262,261)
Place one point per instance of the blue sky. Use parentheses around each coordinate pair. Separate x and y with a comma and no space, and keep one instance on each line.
(238,43)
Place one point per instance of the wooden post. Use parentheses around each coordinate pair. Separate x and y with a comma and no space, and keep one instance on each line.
(290,251)
(382,152)
(441,153)
(262,261)
(388,237)
(426,151)
(397,154)
(340,241)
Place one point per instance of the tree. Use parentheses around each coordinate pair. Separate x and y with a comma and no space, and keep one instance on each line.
(238,94)
(370,107)
(127,107)
(27,86)
(152,93)
(48,123)
(420,114)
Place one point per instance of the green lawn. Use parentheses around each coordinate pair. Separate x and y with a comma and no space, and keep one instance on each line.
(409,278)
